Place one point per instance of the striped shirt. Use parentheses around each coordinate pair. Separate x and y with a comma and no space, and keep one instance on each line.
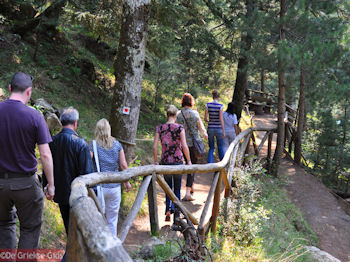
(214,114)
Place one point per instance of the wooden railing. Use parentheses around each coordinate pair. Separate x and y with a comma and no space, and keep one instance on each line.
(89,236)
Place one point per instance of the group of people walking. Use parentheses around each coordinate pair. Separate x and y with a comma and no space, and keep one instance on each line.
(64,157)
(67,156)
(177,137)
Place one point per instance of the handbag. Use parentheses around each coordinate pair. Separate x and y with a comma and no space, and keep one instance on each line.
(99,191)
(198,145)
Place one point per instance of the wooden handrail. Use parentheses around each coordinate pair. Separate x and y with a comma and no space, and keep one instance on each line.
(103,245)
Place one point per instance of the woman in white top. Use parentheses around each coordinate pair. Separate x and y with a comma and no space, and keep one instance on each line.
(231,126)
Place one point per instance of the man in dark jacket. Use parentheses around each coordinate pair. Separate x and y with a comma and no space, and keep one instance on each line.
(71,158)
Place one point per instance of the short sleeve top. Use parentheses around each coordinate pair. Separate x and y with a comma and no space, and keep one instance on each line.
(190,124)
(21,128)
(214,114)
(229,121)
(171,143)
(109,160)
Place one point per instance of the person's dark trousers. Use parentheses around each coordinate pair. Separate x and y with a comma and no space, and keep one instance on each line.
(194,160)
(64,209)
(26,195)
(174,182)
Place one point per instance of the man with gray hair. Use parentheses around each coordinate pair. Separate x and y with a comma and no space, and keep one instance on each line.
(71,158)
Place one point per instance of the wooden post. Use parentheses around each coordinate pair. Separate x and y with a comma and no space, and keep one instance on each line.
(254,143)
(291,135)
(244,148)
(226,182)
(216,204)
(262,142)
(207,203)
(91,193)
(232,165)
(269,147)
(90,238)
(134,209)
(152,205)
(286,135)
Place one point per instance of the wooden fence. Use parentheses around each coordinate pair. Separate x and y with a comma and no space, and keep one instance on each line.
(89,236)
(261,102)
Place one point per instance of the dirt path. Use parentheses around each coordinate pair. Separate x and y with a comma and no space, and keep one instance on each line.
(319,207)
(139,234)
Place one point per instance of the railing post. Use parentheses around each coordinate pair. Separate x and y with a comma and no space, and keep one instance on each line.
(269,150)
(152,205)
(254,144)
(216,204)
(135,208)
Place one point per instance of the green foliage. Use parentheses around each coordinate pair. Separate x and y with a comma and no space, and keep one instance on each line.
(261,223)
(164,252)
(53,233)
(100,18)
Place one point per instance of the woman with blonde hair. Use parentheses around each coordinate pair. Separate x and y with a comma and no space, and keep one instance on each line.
(111,158)
(174,146)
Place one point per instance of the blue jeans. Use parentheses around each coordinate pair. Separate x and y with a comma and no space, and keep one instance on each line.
(212,134)
(174,182)
(229,137)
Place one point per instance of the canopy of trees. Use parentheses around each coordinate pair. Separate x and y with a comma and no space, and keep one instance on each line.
(301,46)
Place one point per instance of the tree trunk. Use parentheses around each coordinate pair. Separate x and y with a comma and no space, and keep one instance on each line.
(128,70)
(340,165)
(262,80)
(300,126)
(281,96)
(242,68)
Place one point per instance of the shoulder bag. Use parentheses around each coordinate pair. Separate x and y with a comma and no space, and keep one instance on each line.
(100,196)
(199,148)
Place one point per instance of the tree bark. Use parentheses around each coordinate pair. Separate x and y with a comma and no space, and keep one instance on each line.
(281,96)
(242,68)
(262,80)
(128,70)
(300,126)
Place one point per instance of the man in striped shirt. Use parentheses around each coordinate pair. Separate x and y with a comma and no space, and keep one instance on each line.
(215,126)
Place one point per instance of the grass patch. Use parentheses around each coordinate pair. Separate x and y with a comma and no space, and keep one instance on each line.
(261,224)
(165,252)
(53,234)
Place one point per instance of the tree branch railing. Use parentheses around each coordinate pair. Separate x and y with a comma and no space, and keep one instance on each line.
(290,121)
(89,237)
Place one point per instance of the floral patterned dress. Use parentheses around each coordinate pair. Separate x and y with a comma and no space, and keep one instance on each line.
(169,134)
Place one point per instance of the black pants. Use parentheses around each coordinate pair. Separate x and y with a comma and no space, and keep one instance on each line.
(64,209)
(194,160)
(26,195)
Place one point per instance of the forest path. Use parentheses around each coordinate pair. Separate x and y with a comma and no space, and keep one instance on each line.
(319,207)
